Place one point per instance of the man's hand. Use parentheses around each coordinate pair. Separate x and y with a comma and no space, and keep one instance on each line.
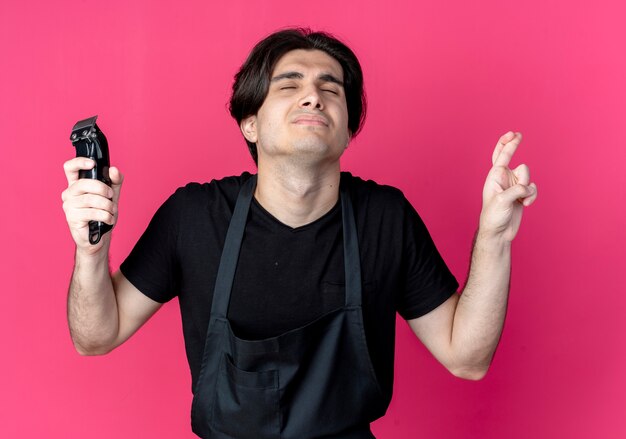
(463,333)
(506,192)
(87,200)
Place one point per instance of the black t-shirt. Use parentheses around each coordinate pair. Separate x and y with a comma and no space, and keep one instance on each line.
(287,277)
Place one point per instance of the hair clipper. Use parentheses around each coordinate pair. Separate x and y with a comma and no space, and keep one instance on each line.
(90,142)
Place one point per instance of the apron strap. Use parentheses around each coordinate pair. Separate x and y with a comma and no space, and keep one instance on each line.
(230,254)
(351,257)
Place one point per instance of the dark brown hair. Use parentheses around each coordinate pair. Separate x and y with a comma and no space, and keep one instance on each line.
(253,78)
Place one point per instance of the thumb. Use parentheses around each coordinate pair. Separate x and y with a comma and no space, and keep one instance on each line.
(515,193)
(116,182)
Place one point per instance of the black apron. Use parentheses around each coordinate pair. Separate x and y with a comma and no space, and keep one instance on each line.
(316,381)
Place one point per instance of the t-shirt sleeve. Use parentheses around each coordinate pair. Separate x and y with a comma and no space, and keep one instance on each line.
(152,265)
(428,281)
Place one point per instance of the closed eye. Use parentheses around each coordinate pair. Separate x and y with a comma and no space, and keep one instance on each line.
(330,91)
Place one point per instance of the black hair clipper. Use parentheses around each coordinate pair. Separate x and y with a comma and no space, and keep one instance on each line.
(90,142)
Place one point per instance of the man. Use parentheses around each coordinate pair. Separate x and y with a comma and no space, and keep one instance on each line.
(289,280)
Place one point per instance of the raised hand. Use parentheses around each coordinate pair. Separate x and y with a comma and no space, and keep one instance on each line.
(87,200)
(506,192)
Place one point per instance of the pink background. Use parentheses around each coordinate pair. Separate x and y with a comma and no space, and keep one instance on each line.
(444,80)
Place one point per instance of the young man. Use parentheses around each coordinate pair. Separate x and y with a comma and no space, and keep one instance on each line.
(289,280)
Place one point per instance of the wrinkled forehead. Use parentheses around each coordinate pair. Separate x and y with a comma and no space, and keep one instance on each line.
(313,62)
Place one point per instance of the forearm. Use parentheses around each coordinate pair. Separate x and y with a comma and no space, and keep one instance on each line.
(92,307)
(480,312)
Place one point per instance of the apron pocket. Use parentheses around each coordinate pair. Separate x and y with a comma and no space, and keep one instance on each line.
(246,403)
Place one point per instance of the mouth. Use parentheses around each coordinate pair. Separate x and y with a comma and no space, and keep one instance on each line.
(310,119)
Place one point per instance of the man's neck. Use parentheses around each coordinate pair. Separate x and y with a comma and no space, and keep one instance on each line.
(297,195)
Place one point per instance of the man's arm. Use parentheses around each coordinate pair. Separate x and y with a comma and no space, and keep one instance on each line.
(103,311)
(464,331)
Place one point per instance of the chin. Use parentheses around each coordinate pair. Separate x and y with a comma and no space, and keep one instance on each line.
(310,145)
(311,148)
(313,140)
(317,151)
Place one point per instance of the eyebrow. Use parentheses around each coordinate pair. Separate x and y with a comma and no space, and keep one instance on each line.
(325,77)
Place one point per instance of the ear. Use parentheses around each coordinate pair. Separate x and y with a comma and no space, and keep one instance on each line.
(248,128)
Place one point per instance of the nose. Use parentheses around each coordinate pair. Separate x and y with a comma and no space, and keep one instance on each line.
(312,99)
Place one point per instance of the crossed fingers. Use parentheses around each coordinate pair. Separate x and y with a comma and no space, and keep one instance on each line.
(505,148)
(525,191)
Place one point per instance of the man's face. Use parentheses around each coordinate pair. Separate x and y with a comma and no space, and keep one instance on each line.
(304,114)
